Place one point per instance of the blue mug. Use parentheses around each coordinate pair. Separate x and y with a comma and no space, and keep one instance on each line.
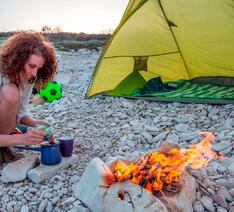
(50,153)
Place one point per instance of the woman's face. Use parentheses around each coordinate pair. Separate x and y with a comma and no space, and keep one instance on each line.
(31,67)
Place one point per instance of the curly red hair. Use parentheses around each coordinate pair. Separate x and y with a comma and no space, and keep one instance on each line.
(17,50)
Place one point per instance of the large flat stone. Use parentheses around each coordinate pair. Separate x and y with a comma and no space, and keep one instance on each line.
(17,171)
(93,185)
(44,172)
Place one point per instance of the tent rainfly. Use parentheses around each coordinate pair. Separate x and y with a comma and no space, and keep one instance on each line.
(170,39)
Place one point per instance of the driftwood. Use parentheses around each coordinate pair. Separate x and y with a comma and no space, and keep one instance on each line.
(182,201)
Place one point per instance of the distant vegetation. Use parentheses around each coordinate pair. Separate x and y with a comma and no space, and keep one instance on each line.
(67,41)
(73,41)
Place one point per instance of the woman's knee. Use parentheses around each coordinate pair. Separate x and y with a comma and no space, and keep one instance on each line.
(10,94)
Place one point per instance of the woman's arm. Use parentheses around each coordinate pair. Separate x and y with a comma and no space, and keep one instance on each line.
(32,122)
(24,116)
(9,140)
(24,103)
(28,121)
(31,137)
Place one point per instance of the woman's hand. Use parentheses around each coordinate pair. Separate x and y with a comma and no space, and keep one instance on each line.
(31,137)
(39,122)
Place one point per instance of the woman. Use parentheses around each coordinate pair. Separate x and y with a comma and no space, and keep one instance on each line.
(26,58)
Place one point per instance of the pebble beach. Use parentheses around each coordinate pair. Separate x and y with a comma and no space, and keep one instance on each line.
(117,127)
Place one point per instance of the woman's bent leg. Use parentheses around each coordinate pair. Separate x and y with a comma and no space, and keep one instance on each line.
(9,106)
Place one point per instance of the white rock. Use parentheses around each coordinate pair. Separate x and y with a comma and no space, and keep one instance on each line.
(229,184)
(135,123)
(54,200)
(49,207)
(74,179)
(24,208)
(17,171)
(159,137)
(151,128)
(189,136)
(79,208)
(68,201)
(224,192)
(182,128)
(19,192)
(48,195)
(221,209)
(130,143)
(58,186)
(147,136)
(207,202)
(44,172)
(221,146)
(227,161)
(219,199)
(198,207)
(231,191)
(173,138)
(43,205)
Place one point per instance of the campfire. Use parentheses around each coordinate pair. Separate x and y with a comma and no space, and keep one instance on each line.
(161,170)
(158,181)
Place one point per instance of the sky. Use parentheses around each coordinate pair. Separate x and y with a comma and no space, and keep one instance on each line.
(88,16)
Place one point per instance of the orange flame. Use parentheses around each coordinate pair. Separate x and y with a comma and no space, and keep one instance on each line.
(157,168)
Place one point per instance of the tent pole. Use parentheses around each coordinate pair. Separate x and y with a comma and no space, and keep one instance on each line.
(170,23)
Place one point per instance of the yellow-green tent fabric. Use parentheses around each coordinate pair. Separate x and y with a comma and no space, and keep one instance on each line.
(173,39)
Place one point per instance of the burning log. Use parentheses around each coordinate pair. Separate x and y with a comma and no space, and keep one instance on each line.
(161,170)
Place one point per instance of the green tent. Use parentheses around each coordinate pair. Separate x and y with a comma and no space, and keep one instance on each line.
(175,40)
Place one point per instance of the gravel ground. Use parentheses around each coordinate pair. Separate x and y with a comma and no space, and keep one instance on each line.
(105,127)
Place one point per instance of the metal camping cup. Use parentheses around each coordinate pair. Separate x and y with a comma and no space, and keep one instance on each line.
(50,153)
(66,146)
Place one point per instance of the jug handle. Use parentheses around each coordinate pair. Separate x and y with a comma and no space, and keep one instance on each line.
(38,149)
